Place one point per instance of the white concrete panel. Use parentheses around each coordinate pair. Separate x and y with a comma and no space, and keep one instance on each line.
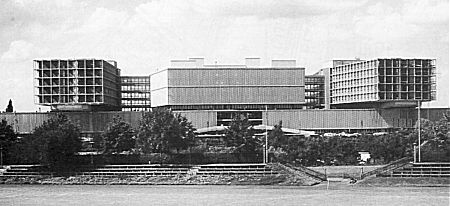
(159,80)
(160,97)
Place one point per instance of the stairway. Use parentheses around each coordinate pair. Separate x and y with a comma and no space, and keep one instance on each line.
(159,170)
(104,170)
(423,169)
(235,169)
(24,171)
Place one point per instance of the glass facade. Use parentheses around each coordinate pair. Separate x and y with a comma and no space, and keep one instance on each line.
(315,91)
(135,93)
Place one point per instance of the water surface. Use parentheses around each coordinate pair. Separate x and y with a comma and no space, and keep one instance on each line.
(219,195)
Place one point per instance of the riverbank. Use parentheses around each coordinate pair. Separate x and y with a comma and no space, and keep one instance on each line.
(164,180)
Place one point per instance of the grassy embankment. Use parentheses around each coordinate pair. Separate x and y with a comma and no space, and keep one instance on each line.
(284,177)
(149,180)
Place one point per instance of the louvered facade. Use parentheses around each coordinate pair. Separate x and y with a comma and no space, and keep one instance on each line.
(195,86)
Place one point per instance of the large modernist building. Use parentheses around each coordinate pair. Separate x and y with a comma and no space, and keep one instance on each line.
(385,83)
(350,95)
(190,85)
(77,84)
(89,85)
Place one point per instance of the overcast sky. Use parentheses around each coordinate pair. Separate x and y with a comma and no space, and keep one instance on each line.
(143,36)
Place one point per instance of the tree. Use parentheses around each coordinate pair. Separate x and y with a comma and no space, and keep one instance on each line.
(56,141)
(161,131)
(10,108)
(435,139)
(240,135)
(7,139)
(118,137)
(276,136)
(311,150)
(388,147)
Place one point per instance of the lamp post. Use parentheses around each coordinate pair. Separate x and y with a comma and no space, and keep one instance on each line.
(415,147)
(266,143)
(1,155)
(418,119)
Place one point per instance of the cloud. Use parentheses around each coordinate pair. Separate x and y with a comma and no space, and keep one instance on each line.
(143,36)
(104,19)
(18,51)
(286,8)
(23,13)
(409,21)
(426,12)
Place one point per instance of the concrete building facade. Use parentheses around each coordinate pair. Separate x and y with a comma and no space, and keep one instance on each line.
(77,84)
(192,85)
(384,82)
(358,95)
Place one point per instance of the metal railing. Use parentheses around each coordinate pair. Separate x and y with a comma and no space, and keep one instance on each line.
(307,171)
(389,167)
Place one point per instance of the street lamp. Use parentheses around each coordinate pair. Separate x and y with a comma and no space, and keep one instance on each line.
(415,147)
(266,144)
(418,118)
(1,155)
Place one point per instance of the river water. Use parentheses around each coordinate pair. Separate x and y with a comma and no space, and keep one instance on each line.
(220,195)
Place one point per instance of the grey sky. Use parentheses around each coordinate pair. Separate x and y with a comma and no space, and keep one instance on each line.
(145,35)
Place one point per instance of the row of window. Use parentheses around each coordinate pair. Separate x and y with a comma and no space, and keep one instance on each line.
(70,90)
(45,64)
(405,95)
(406,62)
(314,80)
(71,99)
(69,82)
(405,80)
(354,90)
(135,80)
(314,94)
(135,109)
(135,102)
(135,87)
(353,83)
(355,98)
(405,71)
(356,67)
(135,95)
(404,88)
(353,75)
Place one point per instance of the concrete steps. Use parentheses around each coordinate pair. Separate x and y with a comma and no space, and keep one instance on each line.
(148,170)
(235,169)
(432,169)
